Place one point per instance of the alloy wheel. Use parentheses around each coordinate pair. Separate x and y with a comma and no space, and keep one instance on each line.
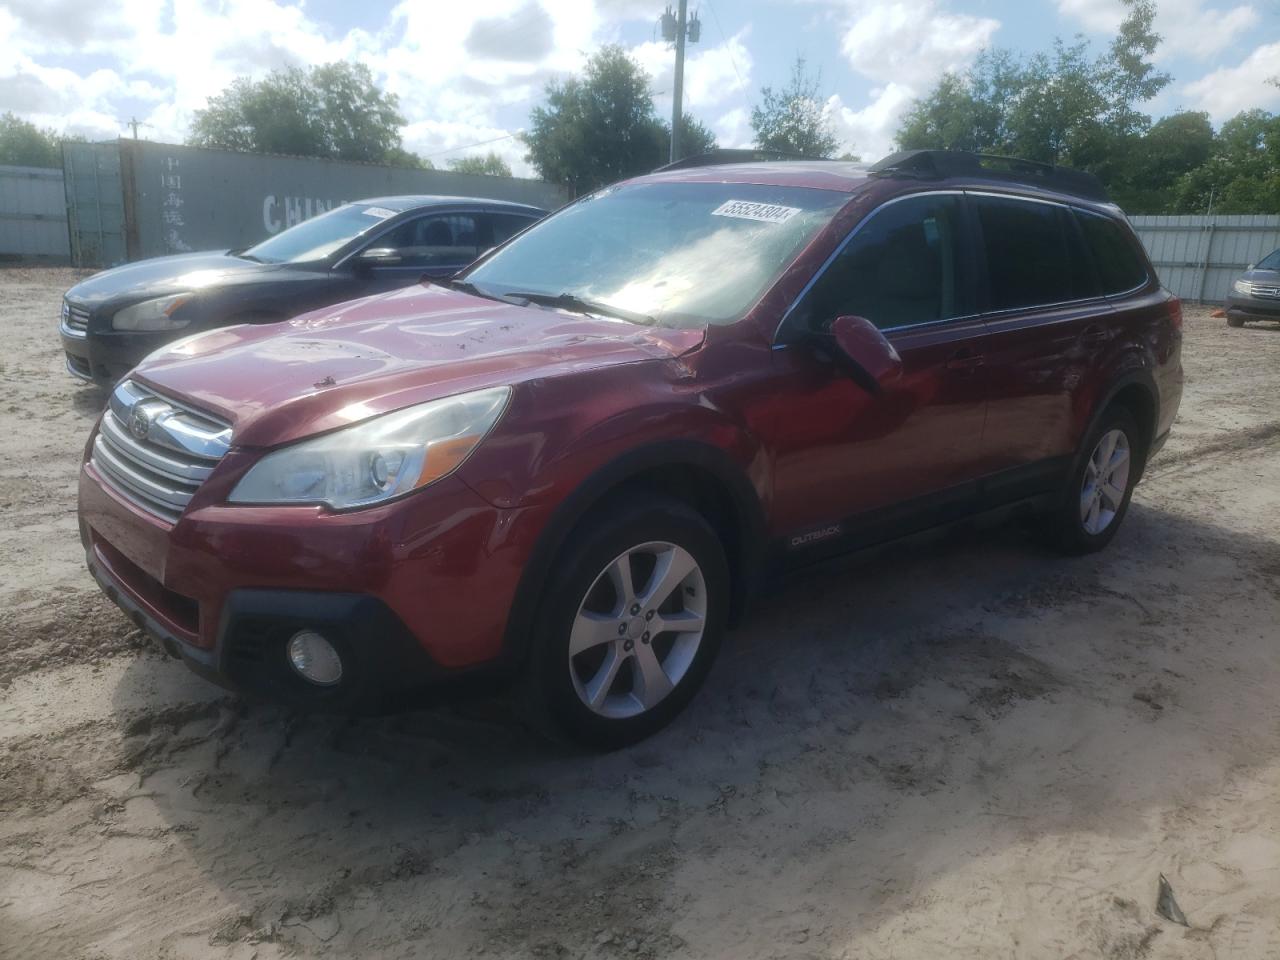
(1106,478)
(638,629)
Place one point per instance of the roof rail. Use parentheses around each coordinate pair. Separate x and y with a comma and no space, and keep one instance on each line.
(939,164)
(725,155)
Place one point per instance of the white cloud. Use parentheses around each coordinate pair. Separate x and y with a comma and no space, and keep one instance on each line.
(712,74)
(1189,28)
(912,43)
(454,66)
(870,130)
(903,48)
(1225,92)
(733,128)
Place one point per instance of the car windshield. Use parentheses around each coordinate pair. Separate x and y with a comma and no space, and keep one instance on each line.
(676,254)
(1270,262)
(320,236)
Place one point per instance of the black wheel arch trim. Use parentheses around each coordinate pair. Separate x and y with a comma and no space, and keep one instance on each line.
(673,454)
(1141,377)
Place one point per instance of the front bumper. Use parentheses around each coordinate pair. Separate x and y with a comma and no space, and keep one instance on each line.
(412,593)
(105,358)
(1253,308)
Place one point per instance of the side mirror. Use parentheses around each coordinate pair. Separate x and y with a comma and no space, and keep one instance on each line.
(1250,267)
(861,350)
(379,257)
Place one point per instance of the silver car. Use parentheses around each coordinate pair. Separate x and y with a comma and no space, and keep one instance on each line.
(1255,294)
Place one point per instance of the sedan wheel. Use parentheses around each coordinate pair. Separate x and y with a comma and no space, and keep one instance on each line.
(1106,480)
(638,630)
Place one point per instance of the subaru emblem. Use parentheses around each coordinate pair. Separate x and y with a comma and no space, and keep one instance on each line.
(140,421)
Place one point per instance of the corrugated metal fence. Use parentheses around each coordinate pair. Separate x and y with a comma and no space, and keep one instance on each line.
(131,199)
(33,214)
(1197,257)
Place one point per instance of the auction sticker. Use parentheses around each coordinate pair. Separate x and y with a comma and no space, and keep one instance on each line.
(380,212)
(748,210)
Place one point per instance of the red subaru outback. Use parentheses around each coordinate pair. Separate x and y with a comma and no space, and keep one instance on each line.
(574,463)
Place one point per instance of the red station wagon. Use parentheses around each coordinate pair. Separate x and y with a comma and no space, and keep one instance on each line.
(573,464)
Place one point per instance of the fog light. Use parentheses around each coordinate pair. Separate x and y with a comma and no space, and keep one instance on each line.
(314,658)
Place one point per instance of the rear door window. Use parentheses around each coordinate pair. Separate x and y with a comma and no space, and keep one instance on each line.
(1034,256)
(1119,265)
(902,268)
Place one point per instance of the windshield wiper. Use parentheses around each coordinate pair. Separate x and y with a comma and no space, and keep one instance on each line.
(466,286)
(571,301)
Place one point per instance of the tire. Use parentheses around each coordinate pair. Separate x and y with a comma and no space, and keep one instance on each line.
(1091,513)
(584,608)
(1235,321)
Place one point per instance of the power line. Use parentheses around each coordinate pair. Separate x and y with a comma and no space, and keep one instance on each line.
(469,146)
(727,45)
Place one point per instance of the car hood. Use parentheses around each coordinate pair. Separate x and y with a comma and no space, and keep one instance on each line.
(279,382)
(1261,276)
(164,275)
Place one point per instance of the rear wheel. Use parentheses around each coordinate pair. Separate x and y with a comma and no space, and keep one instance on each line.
(627,632)
(1101,486)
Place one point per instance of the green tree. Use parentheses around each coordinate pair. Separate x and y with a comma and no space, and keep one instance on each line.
(1130,79)
(24,144)
(597,128)
(695,138)
(1243,173)
(334,110)
(490,165)
(792,120)
(968,111)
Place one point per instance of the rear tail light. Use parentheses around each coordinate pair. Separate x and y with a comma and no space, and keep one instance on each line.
(1175,313)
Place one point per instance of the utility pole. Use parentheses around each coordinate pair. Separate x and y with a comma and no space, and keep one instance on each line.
(677,106)
(679,27)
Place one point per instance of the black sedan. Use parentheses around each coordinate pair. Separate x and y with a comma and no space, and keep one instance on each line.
(115,318)
(1255,294)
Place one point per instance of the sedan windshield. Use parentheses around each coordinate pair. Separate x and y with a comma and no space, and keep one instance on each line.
(320,236)
(682,254)
(1270,262)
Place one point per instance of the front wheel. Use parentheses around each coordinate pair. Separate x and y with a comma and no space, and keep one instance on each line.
(1235,321)
(1101,485)
(628,630)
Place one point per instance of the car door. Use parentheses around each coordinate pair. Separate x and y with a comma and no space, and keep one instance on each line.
(435,245)
(879,463)
(1048,327)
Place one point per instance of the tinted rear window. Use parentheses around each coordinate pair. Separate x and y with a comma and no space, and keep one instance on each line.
(1033,255)
(1118,262)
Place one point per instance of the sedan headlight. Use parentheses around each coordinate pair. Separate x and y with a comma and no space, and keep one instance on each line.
(1243,286)
(152,314)
(377,459)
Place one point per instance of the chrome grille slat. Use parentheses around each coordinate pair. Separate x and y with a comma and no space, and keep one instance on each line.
(153,460)
(156,452)
(75,319)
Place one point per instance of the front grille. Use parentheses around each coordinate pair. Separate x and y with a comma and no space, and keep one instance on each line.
(75,319)
(1268,290)
(155,451)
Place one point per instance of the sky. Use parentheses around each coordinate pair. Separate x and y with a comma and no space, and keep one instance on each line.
(468,74)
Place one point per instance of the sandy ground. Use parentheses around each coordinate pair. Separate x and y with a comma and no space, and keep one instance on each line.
(966,749)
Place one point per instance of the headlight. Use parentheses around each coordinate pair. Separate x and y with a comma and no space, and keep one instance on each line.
(152,314)
(377,459)
(1243,286)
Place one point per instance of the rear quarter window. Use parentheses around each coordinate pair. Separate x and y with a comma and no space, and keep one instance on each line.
(1118,262)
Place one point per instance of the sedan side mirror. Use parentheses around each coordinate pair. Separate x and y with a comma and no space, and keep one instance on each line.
(857,346)
(379,257)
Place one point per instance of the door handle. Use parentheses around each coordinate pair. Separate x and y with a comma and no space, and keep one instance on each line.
(965,360)
(1094,336)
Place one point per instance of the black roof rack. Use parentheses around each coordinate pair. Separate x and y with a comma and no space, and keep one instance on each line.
(742,155)
(939,164)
